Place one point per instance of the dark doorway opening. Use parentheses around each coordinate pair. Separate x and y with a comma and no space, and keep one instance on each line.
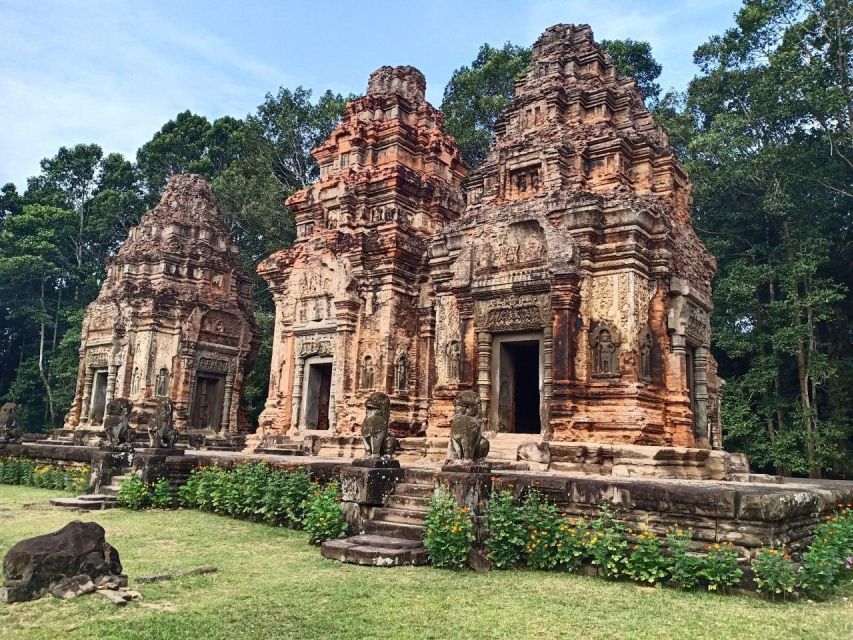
(519,387)
(318,395)
(207,407)
(99,397)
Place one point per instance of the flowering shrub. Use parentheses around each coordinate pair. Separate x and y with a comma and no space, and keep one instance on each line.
(542,529)
(23,471)
(719,567)
(774,572)
(828,563)
(160,496)
(506,531)
(324,514)
(571,547)
(252,491)
(448,533)
(682,567)
(646,563)
(607,543)
(132,494)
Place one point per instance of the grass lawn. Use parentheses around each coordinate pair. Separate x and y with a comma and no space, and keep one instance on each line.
(272,584)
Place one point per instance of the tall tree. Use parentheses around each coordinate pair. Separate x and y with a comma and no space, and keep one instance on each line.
(477,93)
(771,157)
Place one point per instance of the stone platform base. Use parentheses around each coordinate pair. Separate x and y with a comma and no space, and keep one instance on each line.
(376,551)
(88,502)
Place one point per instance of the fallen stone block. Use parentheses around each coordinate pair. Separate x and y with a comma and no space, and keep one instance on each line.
(72,587)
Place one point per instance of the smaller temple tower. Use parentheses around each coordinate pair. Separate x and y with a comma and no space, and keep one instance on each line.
(352,312)
(173,319)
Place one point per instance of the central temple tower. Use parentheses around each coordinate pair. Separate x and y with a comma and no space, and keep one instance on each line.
(352,312)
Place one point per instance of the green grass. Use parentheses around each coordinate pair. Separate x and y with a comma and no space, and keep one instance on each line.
(271,584)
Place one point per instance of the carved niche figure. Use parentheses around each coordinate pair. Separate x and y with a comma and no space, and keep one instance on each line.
(161,386)
(646,345)
(466,441)
(605,352)
(401,372)
(161,433)
(136,381)
(9,430)
(367,373)
(117,415)
(454,357)
(378,443)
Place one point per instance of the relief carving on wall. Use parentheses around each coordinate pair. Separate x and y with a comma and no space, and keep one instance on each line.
(209,363)
(604,343)
(313,346)
(514,313)
(696,329)
(98,357)
(448,351)
(647,344)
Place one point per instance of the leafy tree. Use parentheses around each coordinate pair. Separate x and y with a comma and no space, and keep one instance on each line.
(179,147)
(476,95)
(770,155)
(634,58)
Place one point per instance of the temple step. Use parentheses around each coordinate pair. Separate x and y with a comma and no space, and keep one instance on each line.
(394,529)
(403,516)
(410,490)
(85,503)
(375,550)
(411,503)
(420,476)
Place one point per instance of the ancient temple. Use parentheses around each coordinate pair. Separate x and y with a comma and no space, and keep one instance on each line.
(173,320)
(571,294)
(353,306)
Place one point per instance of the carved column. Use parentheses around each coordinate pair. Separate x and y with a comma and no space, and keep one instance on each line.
(226,402)
(111,382)
(700,403)
(297,394)
(87,393)
(547,379)
(484,385)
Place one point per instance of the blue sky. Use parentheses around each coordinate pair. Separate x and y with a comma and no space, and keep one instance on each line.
(114,72)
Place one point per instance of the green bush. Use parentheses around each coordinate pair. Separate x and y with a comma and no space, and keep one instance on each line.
(132,494)
(506,539)
(607,543)
(683,567)
(324,514)
(646,563)
(542,529)
(774,572)
(448,533)
(23,471)
(828,563)
(571,543)
(285,498)
(188,492)
(160,496)
(720,568)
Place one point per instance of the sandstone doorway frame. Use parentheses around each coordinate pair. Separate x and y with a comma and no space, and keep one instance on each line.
(98,400)
(499,356)
(313,368)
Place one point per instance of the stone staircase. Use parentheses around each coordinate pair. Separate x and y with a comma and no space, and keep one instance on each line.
(106,499)
(393,535)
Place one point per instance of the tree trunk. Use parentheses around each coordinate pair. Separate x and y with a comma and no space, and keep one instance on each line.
(42,373)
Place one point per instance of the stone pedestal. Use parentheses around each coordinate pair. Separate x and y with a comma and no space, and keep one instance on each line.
(369,486)
(375,463)
(466,466)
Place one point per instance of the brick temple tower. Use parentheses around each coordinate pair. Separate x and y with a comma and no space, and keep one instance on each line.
(173,319)
(573,294)
(352,311)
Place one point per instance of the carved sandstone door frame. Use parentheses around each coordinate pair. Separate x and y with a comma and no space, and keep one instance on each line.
(497,341)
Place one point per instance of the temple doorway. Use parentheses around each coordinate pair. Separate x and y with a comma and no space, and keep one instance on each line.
(207,405)
(318,392)
(517,385)
(99,396)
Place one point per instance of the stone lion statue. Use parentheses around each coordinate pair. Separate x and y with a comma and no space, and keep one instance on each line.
(161,433)
(9,430)
(116,419)
(466,441)
(378,443)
